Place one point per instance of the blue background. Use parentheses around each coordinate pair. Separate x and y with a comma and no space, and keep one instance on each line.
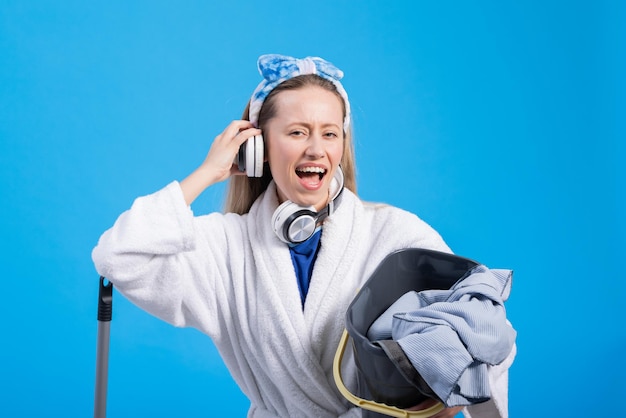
(502,125)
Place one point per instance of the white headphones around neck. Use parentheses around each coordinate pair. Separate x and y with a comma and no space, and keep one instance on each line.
(293,223)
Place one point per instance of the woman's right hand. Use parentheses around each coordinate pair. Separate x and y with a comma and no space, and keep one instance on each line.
(445,413)
(218,164)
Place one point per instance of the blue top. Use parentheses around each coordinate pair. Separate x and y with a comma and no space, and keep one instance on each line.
(303,258)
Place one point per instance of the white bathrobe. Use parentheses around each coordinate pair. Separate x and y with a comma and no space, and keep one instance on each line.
(230,277)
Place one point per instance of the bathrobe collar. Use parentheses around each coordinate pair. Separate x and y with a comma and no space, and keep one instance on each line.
(306,332)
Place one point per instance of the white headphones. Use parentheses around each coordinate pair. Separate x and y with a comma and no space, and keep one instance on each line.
(250,157)
(293,223)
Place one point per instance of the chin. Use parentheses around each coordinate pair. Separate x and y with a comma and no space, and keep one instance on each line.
(312,201)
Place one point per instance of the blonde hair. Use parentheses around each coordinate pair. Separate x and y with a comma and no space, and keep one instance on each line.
(242,191)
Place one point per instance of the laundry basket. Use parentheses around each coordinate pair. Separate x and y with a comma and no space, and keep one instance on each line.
(389,392)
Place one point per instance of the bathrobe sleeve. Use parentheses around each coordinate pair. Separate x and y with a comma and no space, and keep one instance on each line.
(153,250)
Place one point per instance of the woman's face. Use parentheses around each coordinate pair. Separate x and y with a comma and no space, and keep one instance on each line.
(304,142)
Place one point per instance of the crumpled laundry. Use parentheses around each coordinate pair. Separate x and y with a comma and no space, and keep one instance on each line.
(450,337)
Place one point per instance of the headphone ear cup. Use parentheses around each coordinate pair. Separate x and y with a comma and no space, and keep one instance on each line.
(250,157)
(259,155)
(293,223)
(240,158)
(254,151)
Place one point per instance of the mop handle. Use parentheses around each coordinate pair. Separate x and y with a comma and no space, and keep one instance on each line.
(105,311)
(378,407)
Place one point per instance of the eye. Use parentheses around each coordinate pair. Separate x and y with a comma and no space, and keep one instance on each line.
(330,135)
(297,133)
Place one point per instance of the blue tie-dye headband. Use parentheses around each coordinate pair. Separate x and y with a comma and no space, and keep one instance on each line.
(278,68)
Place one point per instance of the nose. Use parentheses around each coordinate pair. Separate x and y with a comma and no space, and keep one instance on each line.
(315,147)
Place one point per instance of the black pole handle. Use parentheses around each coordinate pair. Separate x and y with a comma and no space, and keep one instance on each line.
(105,300)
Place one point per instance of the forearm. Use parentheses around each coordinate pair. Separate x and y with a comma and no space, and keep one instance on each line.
(196,182)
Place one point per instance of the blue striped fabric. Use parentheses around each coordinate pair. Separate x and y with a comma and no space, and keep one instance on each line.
(452,335)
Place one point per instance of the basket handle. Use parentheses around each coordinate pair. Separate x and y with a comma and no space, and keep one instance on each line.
(378,407)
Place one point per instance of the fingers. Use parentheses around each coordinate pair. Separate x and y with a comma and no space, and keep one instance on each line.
(448,412)
(218,163)
(237,132)
(223,150)
(423,405)
(233,137)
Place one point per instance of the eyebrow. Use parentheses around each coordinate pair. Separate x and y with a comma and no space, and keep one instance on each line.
(309,125)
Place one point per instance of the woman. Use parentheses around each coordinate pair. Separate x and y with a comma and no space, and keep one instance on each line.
(272,300)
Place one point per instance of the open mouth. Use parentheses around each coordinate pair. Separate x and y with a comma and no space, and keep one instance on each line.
(311,173)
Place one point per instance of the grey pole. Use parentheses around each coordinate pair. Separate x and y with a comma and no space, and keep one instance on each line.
(105,305)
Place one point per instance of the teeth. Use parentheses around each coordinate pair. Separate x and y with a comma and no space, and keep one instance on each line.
(318,170)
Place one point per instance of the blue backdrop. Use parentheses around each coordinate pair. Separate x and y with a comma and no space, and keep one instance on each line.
(502,125)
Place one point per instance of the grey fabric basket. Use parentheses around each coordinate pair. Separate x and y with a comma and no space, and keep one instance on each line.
(400,272)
